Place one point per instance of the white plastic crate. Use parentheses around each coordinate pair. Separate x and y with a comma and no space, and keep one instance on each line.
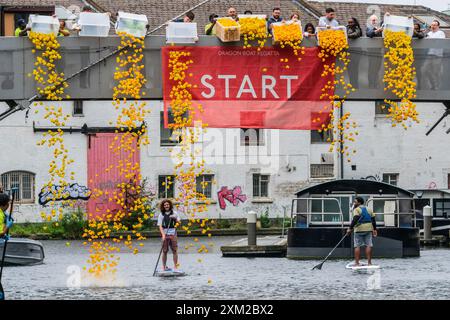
(259,16)
(181,32)
(134,24)
(43,24)
(399,24)
(94,24)
(319,29)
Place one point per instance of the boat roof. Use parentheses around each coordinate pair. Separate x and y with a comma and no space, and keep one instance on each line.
(358,186)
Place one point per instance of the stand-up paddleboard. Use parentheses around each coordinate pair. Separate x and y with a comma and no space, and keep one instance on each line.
(170,273)
(361,267)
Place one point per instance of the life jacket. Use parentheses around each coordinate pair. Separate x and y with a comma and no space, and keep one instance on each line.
(365,216)
(167,221)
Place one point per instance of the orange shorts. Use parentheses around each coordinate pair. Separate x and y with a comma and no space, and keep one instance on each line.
(172,242)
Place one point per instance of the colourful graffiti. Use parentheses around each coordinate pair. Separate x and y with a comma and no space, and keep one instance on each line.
(73,191)
(233,196)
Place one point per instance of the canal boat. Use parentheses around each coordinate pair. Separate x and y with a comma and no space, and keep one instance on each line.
(321,214)
(23,252)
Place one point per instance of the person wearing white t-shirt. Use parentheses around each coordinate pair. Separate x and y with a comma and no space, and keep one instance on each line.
(168,222)
(433,68)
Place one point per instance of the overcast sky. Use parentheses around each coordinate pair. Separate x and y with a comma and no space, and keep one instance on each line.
(439,5)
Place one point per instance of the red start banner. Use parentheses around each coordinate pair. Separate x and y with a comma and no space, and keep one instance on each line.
(247,88)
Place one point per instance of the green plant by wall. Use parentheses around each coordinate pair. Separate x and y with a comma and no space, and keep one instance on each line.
(265,221)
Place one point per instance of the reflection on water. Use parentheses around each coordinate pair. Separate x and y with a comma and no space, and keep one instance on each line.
(426,277)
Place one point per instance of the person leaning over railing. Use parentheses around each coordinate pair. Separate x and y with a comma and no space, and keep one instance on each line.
(232,13)
(188,17)
(418,32)
(210,28)
(374,28)
(276,17)
(329,20)
(295,16)
(309,30)
(22,29)
(353,29)
(63,31)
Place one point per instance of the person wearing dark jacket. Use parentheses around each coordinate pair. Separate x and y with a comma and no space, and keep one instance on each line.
(353,29)
(418,32)
(365,227)
(374,28)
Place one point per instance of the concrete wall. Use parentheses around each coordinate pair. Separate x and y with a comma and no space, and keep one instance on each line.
(286,156)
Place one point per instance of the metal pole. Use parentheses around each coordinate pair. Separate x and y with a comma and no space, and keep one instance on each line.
(251,228)
(427,222)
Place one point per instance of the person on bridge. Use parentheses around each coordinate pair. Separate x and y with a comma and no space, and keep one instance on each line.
(168,222)
(365,226)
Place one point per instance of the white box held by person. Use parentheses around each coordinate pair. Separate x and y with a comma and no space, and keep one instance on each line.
(399,24)
(94,24)
(134,24)
(181,32)
(44,24)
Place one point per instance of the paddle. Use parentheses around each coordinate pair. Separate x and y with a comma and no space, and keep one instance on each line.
(160,251)
(319,266)
(2,292)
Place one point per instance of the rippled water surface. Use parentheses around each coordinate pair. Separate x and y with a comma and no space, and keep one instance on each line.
(215,277)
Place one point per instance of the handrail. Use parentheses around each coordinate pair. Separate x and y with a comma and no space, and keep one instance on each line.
(397,203)
(308,214)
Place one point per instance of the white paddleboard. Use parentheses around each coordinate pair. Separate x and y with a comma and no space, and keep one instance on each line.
(361,266)
(170,273)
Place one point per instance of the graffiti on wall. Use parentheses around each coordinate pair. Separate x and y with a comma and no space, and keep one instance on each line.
(234,196)
(375,177)
(73,191)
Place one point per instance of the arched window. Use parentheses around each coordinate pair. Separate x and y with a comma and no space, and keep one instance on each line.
(22,180)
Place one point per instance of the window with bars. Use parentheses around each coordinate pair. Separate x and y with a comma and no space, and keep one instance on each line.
(260,185)
(204,185)
(23,181)
(391,178)
(167,138)
(252,137)
(166,186)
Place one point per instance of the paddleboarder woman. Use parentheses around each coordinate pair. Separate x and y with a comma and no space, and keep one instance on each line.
(168,222)
(365,227)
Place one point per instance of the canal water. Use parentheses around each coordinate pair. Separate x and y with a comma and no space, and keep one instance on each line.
(210,276)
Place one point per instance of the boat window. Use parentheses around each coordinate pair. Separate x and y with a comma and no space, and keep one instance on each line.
(316,206)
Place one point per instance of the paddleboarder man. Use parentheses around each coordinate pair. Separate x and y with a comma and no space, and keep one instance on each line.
(5,221)
(365,228)
(168,222)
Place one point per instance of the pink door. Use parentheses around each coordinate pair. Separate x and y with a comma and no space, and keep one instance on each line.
(104,173)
